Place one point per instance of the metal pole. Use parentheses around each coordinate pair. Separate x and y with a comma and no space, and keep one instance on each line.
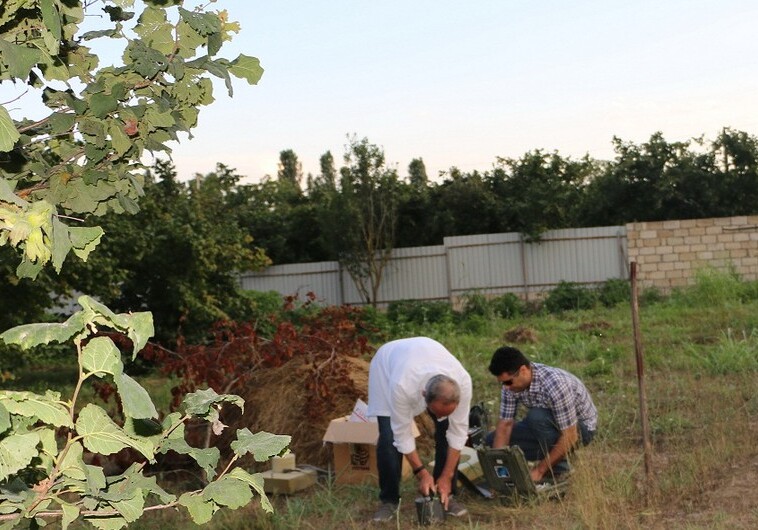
(647,445)
(524,271)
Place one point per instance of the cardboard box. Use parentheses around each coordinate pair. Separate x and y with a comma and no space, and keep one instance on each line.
(282,464)
(289,481)
(354,448)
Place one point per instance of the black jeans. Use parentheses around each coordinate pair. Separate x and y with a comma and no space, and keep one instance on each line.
(389,460)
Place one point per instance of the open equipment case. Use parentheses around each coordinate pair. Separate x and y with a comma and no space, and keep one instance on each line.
(507,478)
(505,471)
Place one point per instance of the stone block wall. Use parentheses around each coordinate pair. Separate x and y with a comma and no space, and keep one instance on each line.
(668,253)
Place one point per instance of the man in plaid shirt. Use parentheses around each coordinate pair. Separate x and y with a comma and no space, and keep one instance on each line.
(560,412)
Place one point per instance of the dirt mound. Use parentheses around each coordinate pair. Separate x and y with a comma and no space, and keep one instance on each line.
(277,401)
(520,334)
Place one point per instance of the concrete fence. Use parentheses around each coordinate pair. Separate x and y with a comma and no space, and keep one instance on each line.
(668,253)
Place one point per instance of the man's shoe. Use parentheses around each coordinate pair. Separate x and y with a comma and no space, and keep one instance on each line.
(386,512)
(455,508)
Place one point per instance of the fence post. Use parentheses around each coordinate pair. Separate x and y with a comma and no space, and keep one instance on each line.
(647,445)
(524,271)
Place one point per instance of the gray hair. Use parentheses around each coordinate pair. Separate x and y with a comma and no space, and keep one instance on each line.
(442,388)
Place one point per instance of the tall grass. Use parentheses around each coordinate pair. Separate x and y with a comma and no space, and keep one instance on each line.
(701,360)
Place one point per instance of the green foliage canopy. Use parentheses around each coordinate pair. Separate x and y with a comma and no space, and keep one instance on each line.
(84,156)
(178,256)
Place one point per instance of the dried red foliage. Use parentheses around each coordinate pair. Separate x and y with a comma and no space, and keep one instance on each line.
(237,350)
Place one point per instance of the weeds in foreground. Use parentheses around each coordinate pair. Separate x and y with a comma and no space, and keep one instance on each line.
(701,374)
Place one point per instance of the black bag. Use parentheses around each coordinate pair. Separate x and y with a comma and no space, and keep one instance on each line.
(478,425)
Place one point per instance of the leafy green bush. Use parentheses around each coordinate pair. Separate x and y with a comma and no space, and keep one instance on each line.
(569,296)
(650,295)
(614,291)
(477,304)
(712,287)
(420,312)
(473,324)
(46,436)
(736,352)
(749,292)
(264,302)
(508,305)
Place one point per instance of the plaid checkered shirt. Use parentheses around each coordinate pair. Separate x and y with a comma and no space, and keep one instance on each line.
(557,390)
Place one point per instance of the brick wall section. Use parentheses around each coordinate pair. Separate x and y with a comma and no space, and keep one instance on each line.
(668,253)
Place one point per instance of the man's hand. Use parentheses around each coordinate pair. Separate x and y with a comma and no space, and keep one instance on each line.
(444,488)
(536,474)
(426,483)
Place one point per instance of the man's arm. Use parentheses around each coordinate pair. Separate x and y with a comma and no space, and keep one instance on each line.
(502,433)
(568,439)
(426,481)
(445,480)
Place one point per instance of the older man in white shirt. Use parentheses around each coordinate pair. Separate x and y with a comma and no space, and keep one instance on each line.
(407,377)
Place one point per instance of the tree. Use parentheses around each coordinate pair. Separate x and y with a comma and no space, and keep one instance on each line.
(462,204)
(738,172)
(83,158)
(45,475)
(290,170)
(654,181)
(179,256)
(417,173)
(541,191)
(359,217)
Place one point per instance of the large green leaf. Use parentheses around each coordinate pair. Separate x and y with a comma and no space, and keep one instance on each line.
(101,435)
(140,330)
(248,68)
(102,104)
(101,356)
(155,31)
(70,514)
(47,408)
(51,18)
(134,398)
(255,482)
(61,243)
(199,403)
(200,509)
(202,23)
(84,239)
(30,335)
(262,445)
(16,452)
(8,133)
(206,458)
(72,464)
(20,59)
(7,195)
(228,491)
(5,419)
(131,509)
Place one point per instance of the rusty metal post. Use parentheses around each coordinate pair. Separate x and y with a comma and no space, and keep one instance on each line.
(639,354)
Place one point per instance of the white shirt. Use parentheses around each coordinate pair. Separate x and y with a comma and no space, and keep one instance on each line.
(397,377)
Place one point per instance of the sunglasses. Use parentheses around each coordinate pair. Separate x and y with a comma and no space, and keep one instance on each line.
(509,382)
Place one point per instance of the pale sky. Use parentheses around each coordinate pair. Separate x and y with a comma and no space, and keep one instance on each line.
(459,83)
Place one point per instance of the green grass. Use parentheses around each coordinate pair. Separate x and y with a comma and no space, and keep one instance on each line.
(701,376)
